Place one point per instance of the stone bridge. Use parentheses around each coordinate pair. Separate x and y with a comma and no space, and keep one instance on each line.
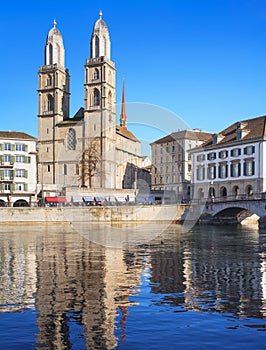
(246,210)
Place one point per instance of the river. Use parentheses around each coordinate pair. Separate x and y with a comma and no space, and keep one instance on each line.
(201,289)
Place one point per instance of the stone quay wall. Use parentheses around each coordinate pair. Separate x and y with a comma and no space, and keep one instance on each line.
(116,214)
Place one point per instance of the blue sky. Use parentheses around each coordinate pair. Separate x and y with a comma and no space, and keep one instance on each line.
(202,60)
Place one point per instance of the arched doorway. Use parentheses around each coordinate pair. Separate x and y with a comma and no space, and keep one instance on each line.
(21,203)
(223,192)
(235,191)
(211,192)
(249,190)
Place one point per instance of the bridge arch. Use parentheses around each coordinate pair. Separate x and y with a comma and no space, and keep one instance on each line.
(236,215)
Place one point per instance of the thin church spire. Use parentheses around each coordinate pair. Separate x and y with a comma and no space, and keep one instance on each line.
(123,115)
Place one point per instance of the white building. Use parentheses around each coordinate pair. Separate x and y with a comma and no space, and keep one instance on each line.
(232,163)
(18,177)
(171,161)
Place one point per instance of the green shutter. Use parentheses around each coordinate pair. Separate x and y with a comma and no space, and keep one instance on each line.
(26,187)
(13,147)
(27,160)
(1,159)
(1,146)
(26,174)
(2,174)
(26,148)
(12,160)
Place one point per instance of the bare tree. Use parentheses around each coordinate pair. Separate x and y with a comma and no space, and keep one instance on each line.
(88,162)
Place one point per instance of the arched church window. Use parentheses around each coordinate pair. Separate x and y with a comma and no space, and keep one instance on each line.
(96,97)
(49,80)
(110,98)
(50,103)
(96,74)
(97,46)
(50,54)
(71,140)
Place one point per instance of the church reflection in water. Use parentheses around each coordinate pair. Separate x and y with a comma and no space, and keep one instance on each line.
(83,290)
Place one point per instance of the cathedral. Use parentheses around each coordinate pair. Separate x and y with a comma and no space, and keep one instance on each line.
(87,151)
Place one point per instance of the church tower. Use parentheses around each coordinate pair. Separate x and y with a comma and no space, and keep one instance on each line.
(99,102)
(53,103)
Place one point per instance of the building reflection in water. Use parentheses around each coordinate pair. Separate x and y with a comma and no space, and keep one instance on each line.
(213,271)
(73,282)
(82,291)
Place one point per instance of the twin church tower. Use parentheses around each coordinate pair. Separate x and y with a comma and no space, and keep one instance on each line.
(87,150)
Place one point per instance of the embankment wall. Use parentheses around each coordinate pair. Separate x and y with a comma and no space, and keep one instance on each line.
(166,213)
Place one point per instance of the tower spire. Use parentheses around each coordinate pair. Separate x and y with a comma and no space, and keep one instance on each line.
(123,115)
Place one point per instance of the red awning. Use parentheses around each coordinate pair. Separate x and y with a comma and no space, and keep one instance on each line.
(55,199)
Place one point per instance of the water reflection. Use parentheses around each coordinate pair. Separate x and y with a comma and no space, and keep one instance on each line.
(85,293)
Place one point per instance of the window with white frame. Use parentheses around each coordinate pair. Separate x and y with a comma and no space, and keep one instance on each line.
(7,158)
(249,150)
(20,172)
(235,169)
(7,146)
(20,147)
(19,187)
(7,187)
(200,157)
(223,171)
(223,154)
(249,167)
(20,159)
(235,152)
(211,156)
(200,173)
(211,172)
(7,174)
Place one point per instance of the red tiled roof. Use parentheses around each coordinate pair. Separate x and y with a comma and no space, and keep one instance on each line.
(16,135)
(185,134)
(125,133)
(251,129)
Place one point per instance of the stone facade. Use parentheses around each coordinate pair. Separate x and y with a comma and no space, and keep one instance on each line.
(172,164)
(88,150)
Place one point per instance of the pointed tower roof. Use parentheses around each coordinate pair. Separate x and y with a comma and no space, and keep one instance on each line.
(100,39)
(123,115)
(54,48)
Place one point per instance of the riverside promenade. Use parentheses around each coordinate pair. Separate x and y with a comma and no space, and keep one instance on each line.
(113,214)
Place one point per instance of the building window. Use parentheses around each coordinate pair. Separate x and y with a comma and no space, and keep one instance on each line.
(236,152)
(7,158)
(64,169)
(249,168)
(19,187)
(48,168)
(20,147)
(211,156)
(223,171)
(96,74)
(223,154)
(71,140)
(20,173)
(249,150)
(200,157)
(77,169)
(7,146)
(7,174)
(96,97)
(20,159)
(235,169)
(200,173)
(50,103)
(7,187)
(211,172)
